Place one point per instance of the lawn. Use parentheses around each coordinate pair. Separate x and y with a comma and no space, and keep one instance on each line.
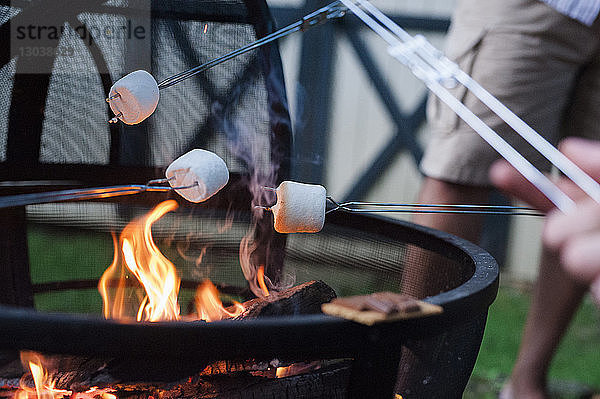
(576,367)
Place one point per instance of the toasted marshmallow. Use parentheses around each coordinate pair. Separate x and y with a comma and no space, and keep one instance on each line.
(300,208)
(204,170)
(137,98)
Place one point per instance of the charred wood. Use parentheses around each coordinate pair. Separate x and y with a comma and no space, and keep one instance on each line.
(305,298)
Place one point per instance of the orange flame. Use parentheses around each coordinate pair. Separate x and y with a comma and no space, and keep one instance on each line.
(210,307)
(141,281)
(260,276)
(44,383)
(137,255)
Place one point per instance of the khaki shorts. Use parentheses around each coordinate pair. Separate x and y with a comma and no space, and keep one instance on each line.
(542,65)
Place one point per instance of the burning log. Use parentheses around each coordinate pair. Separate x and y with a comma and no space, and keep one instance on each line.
(305,298)
(327,381)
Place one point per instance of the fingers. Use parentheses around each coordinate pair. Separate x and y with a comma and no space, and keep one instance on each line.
(560,227)
(584,153)
(510,181)
(577,237)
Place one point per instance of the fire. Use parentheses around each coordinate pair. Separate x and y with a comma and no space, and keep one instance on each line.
(136,255)
(208,305)
(260,276)
(44,383)
(141,281)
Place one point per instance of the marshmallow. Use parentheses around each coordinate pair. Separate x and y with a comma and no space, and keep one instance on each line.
(203,167)
(300,208)
(138,97)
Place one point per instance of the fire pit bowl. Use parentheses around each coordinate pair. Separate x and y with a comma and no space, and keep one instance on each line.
(354,254)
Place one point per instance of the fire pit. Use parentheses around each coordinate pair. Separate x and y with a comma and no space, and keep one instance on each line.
(427,357)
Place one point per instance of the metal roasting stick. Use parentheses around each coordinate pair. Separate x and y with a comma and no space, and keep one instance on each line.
(393,207)
(438,73)
(85,193)
(318,17)
(384,207)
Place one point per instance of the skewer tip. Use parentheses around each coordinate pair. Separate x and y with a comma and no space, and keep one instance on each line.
(115,118)
(109,99)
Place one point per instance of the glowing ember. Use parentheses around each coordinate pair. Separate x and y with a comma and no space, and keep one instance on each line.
(297,369)
(95,393)
(282,372)
(208,305)
(260,276)
(138,256)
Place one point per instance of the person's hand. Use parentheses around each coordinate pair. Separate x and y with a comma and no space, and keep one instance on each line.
(585,153)
(576,236)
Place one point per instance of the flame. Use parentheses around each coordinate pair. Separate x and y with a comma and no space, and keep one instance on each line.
(44,383)
(227,224)
(208,305)
(136,255)
(260,276)
(247,246)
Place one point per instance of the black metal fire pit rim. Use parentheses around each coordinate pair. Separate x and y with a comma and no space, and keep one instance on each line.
(93,336)
(322,336)
(476,294)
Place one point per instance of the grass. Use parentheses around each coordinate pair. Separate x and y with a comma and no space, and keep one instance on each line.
(575,368)
(55,256)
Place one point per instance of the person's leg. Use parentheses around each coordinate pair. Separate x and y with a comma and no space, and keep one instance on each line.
(555,299)
(533,73)
(556,296)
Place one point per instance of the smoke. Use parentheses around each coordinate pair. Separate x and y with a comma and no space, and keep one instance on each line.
(249,140)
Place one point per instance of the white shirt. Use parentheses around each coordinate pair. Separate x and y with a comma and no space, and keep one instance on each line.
(585,11)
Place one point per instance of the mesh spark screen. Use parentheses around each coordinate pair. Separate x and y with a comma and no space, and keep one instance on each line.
(52,109)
